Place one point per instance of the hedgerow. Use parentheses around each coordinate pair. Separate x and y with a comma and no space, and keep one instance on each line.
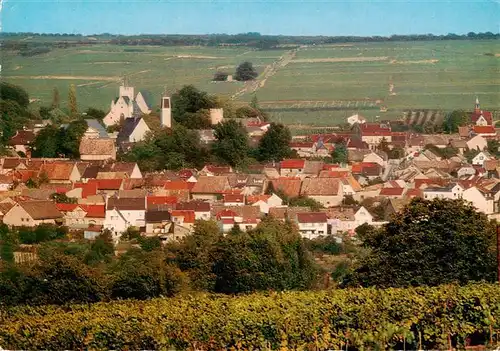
(355,319)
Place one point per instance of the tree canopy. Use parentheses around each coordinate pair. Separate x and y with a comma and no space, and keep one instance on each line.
(190,105)
(231,144)
(245,71)
(428,243)
(455,119)
(275,143)
(339,153)
(14,93)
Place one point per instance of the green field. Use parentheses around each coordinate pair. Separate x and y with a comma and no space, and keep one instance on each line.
(440,75)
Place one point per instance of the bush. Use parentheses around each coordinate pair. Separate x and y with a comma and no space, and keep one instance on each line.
(424,318)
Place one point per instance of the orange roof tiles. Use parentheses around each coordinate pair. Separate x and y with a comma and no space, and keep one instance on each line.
(292,164)
(234,198)
(161,200)
(189,216)
(484,130)
(57,170)
(289,186)
(392,192)
(251,199)
(107,184)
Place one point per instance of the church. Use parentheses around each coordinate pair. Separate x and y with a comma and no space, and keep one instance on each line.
(480,117)
(126,105)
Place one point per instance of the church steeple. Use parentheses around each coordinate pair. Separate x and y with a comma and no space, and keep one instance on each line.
(477,108)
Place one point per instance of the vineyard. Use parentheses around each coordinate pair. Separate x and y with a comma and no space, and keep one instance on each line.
(444,317)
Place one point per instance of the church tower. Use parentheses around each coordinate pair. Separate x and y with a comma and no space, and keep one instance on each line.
(166,112)
(477,108)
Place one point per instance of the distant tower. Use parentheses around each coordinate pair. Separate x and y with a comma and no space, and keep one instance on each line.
(166,112)
(477,108)
(216,115)
(126,90)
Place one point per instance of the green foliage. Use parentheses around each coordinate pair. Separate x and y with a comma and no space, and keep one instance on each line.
(142,275)
(41,233)
(231,144)
(306,202)
(63,198)
(72,104)
(95,113)
(130,234)
(493,147)
(247,112)
(348,200)
(414,318)
(470,154)
(324,245)
(189,107)
(396,153)
(429,243)
(150,244)
(245,71)
(12,118)
(174,149)
(52,141)
(383,145)
(46,143)
(56,99)
(455,119)
(275,143)
(11,92)
(220,76)
(339,153)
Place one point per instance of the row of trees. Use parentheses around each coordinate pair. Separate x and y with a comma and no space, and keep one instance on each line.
(272,256)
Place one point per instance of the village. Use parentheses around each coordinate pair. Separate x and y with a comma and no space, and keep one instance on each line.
(98,192)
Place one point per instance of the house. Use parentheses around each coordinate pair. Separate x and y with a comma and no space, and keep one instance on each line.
(95,130)
(482,157)
(82,216)
(61,172)
(233,199)
(184,219)
(107,186)
(292,167)
(451,191)
(392,193)
(477,143)
(6,182)
(134,129)
(303,148)
(158,222)
(97,149)
(10,164)
(347,219)
(264,202)
(485,131)
(161,202)
(288,186)
(379,157)
(211,170)
(201,209)
(480,199)
(374,133)
(327,191)
(181,189)
(129,170)
(370,170)
(210,188)
(21,142)
(123,213)
(312,224)
(459,144)
(356,119)
(480,117)
(32,213)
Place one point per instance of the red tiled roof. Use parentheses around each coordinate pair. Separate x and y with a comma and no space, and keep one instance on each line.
(414,193)
(234,198)
(392,192)
(375,129)
(161,200)
(226,213)
(290,186)
(66,207)
(484,130)
(292,164)
(189,216)
(228,221)
(22,137)
(88,189)
(107,184)
(438,181)
(251,199)
(195,205)
(364,166)
(486,114)
(333,174)
(312,217)
(58,170)
(94,211)
(330,167)
(178,185)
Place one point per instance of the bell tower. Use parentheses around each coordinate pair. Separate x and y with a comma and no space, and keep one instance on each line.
(477,107)
(166,111)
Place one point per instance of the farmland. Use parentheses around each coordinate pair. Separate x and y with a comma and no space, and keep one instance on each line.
(316,85)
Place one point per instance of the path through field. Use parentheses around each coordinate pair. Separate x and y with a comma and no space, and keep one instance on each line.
(270,70)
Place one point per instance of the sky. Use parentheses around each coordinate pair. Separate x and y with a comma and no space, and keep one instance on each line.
(305,17)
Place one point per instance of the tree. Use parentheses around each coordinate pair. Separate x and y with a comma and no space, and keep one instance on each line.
(56,100)
(72,105)
(383,145)
(493,147)
(304,201)
(275,143)
(14,93)
(142,275)
(272,256)
(188,105)
(339,153)
(63,198)
(95,113)
(254,103)
(220,76)
(396,153)
(101,250)
(348,200)
(245,71)
(46,143)
(231,144)
(429,243)
(455,119)
(70,138)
